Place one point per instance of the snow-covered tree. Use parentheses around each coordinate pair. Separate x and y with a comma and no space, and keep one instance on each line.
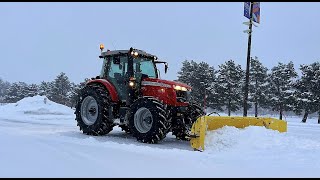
(44,88)
(258,84)
(32,90)
(201,77)
(16,92)
(281,95)
(229,85)
(307,90)
(4,87)
(202,86)
(314,70)
(187,74)
(75,90)
(61,86)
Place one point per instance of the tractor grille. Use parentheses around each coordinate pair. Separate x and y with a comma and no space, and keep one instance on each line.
(183,96)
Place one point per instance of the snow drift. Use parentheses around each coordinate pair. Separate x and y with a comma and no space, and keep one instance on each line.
(36,105)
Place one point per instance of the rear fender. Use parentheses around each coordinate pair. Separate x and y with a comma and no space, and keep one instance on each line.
(112,90)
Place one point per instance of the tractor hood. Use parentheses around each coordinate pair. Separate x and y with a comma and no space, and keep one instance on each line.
(164,83)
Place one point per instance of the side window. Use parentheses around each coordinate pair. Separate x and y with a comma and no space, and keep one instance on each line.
(104,66)
(117,69)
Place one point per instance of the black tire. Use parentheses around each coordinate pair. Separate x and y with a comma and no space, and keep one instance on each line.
(102,125)
(125,128)
(195,112)
(183,125)
(159,126)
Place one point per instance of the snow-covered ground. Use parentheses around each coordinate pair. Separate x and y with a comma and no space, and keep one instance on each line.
(41,139)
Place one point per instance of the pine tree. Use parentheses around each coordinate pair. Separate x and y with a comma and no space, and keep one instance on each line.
(213,95)
(200,76)
(201,85)
(45,88)
(229,85)
(258,84)
(4,87)
(16,92)
(186,74)
(281,96)
(75,90)
(32,90)
(307,90)
(315,86)
(61,86)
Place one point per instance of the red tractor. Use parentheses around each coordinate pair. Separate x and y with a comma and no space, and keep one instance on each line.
(129,93)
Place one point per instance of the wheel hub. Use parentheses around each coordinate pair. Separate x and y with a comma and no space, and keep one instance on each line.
(143,120)
(89,109)
(92,111)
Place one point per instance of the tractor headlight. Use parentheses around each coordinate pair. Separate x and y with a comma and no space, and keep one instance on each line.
(179,88)
(131,83)
(184,89)
(134,53)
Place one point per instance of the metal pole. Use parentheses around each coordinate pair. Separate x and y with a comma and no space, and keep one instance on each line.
(246,88)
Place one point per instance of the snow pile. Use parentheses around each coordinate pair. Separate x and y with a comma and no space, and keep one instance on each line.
(36,105)
(252,137)
(259,141)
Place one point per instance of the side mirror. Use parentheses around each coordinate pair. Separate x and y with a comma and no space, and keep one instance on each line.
(165,68)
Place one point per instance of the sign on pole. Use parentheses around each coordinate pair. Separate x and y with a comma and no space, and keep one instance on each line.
(247,9)
(255,11)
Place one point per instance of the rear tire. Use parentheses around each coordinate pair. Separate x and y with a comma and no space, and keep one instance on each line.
(92,111)
(148,121)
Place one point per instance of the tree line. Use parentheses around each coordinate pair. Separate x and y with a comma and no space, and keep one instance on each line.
(279,89)
(60,90)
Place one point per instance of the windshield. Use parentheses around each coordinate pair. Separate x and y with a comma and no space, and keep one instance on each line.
(144,66)
(141,66)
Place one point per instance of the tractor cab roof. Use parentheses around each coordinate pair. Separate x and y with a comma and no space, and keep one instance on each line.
(124,52)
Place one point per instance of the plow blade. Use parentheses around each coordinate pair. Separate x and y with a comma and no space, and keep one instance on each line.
(209,123)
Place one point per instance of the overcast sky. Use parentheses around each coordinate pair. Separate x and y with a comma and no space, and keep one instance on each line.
(40,40)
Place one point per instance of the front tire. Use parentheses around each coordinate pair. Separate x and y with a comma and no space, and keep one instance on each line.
(183,125)
(148,121)
(92,111)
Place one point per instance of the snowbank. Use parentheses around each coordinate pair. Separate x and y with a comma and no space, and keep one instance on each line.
(36,105)
(256,138)
(242,140)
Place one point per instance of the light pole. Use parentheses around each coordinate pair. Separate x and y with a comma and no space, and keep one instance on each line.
(246,87)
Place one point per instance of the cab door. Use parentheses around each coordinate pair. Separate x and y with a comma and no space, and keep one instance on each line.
(117,74)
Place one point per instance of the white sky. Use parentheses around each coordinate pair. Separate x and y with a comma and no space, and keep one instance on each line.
(40,40)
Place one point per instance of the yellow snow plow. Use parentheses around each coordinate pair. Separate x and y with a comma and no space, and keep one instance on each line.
(209,123)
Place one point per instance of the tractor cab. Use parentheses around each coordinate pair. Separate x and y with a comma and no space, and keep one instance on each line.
(127,68)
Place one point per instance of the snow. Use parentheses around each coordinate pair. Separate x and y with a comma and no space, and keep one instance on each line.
(45,142)
(36,105)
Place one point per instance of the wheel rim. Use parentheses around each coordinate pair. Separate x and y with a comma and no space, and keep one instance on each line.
(89,110)
(143,120)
